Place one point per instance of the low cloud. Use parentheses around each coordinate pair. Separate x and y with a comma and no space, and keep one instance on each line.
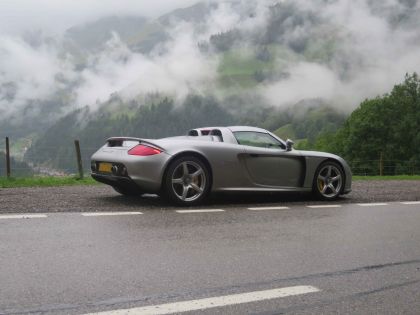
(375,45)
(29,73)
(305,81)
(52,16)
(177,68)
(342,51)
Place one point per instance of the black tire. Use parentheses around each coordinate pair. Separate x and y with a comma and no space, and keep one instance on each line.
(127,191)
(329,180)
(187,181)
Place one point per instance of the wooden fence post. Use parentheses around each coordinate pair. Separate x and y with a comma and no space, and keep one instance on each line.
(381,164)
(8,171)
(79,158)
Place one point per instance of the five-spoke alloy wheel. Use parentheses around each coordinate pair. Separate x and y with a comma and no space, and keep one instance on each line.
(187,181)
(328,181)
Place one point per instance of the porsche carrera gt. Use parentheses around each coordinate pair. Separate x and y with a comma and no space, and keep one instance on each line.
(187,168)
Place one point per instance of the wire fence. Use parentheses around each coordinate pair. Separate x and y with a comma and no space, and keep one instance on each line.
(22,163)
(385,167)
(25,163)
(21,169)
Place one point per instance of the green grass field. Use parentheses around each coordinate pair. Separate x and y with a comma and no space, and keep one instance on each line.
(47,181)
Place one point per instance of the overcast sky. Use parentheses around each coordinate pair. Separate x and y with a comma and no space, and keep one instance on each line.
(54,16)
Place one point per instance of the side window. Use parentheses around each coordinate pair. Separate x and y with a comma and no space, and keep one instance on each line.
(257,139)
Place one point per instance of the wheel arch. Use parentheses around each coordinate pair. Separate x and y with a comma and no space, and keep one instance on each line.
(339,163)
(188,153)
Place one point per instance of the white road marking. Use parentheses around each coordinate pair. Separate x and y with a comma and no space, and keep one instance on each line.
(202,304)
(22,216)
(324,206)
(372,204)
(411,203)
(268,208)
(94,214)
(99,214)
(199,210)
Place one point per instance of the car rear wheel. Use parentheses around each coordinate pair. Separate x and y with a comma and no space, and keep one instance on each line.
(328,181)
(187,181)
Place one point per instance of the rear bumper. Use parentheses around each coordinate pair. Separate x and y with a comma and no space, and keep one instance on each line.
(112,180)
(144,185)
(144,172)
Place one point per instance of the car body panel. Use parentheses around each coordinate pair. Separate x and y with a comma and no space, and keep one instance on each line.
(274,167)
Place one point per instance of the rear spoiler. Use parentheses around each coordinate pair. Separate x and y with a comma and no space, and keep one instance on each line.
(118,142)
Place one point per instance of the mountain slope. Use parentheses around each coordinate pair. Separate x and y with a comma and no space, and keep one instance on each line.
(260,64)
(160,117)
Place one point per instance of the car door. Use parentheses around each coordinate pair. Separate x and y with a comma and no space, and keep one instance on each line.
(268,162)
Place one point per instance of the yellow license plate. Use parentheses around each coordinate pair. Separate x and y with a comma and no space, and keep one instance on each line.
(105,167)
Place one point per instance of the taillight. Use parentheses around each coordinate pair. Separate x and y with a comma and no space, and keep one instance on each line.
(143,150)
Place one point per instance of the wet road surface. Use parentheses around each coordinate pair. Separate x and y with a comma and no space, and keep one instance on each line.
(104,198)
(355,258)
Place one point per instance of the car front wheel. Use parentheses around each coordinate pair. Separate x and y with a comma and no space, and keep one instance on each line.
(328,181)
(187,181)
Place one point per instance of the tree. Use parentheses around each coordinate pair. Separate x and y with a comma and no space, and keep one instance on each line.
(386,126)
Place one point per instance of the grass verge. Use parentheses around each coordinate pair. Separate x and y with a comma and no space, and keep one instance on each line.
(47,181)
(51,181)
(394,177)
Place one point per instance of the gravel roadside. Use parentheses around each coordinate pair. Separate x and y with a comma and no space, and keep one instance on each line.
(103,198)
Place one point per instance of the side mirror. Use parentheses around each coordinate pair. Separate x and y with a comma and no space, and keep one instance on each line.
(289,145)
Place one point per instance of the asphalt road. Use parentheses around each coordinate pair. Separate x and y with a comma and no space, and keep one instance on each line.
(104,198)
(356,259)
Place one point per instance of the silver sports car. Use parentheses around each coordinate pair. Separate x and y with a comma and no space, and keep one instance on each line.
(186,169)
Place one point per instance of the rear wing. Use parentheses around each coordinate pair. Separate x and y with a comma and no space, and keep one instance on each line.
(129,142)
